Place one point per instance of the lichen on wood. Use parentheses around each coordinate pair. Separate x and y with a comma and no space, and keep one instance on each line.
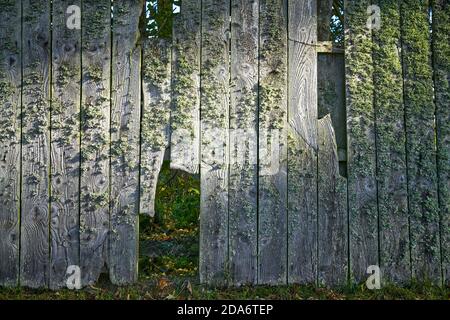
(420,137)
(155,118)
(362,188)
(185,116)
(391,151)
(272,193)
(214,97)
(95,138)
(441,64)
(10,106)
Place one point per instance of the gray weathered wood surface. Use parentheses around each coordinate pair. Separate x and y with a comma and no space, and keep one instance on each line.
(185,118)
(10,129)
(420,140)
(441,64)
(155,131)
(362,185)
(324,14)
(243,180)
(331,100)
(95,138)
(272,187)
(79,162)
(332,211)
(65,145)
(393,225)
(34,244)
(302,142)
(214,117)
(125,139)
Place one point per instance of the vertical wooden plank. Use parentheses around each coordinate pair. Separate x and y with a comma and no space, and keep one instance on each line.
(34,253)
(155,118)
(95,139)
(185,118)
(441,63)
(420,137)
(324,14)
(243,190)
(332,211)
(272,193)
(65,144)
(362,188)
(331,99)
(215,81)
(10,106)
(125,134)
(390,137)
(302,142)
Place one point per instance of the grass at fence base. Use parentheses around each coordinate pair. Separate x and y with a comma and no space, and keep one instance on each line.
(164,288)
(169,261)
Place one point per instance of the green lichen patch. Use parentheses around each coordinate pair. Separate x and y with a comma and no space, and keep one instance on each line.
(421,148)
(441,63)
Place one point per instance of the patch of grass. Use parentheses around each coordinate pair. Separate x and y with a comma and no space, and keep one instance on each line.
(173,232)
(167,288)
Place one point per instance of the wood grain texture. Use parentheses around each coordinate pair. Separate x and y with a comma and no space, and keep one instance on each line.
(10,128)
(243,192)
(272,192)
(95,139)
(441,65)
(155,131)
(65,144)
(331,100)
(362,186)
(302,142)
(324,14)
(215,91)
(332,211)
(125,138)
(34,251)
(185,118)
(390,148)
(420,137)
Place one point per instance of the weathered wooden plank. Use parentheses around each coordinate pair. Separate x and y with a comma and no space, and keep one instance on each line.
(302,142)
(324,14)
(362,188)
(332,211)
(391,149)
(441,64)
(125,138)
(272,193)
(331,99)
(185,118)
(95,139)
(155,118)
(10,106)
(215,79)
(420,137)
(302,31)
(243,190)
(65,144)
(34,251)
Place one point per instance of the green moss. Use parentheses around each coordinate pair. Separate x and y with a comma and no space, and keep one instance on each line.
(7,112)
(390,135)
(362,196)
(420,122)
(441,54)
(36,108)
(272,91)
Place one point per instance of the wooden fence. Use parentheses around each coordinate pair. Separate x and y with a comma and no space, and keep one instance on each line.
(313,166)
